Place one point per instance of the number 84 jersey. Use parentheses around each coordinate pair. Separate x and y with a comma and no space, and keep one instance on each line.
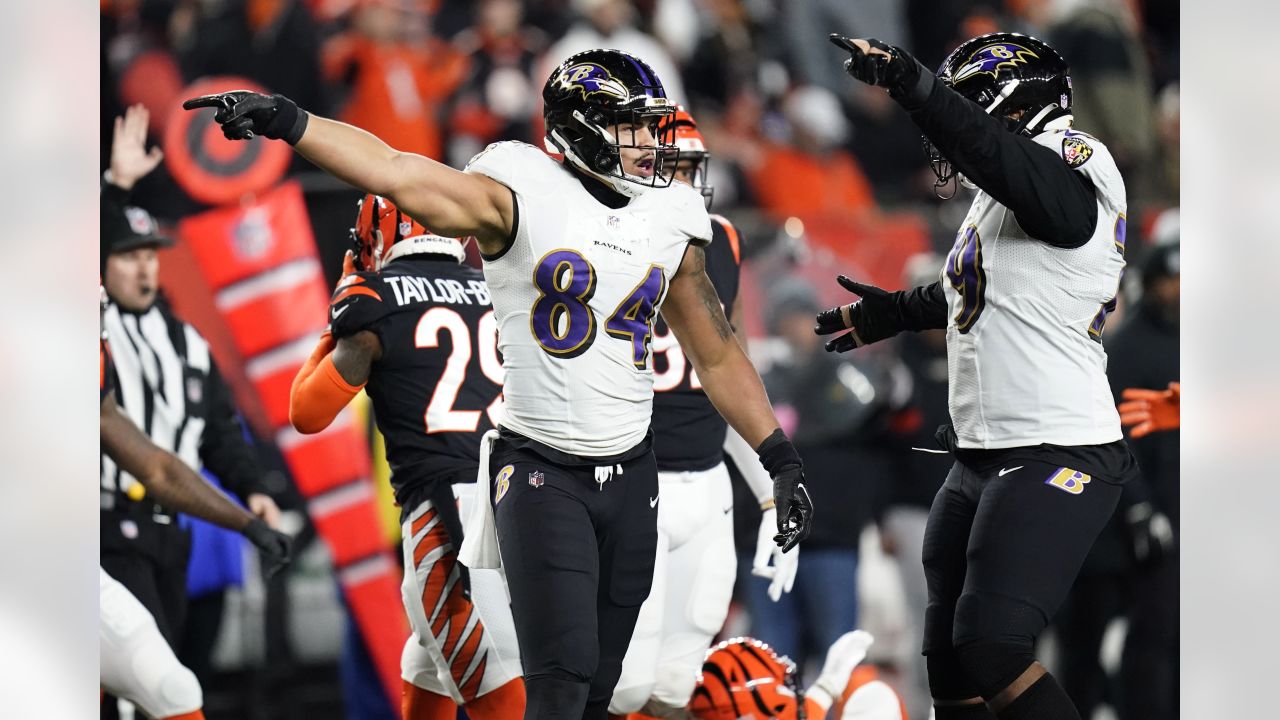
(576,295)
(1024,333)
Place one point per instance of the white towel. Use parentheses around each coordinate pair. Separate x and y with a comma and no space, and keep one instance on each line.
(480,534)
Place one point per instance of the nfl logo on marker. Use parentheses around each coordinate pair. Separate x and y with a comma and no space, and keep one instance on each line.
(614,221)
(536,478)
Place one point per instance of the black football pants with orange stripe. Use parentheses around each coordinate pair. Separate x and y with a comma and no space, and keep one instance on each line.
(578,538)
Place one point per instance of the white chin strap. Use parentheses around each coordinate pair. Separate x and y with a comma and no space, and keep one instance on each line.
(427,245)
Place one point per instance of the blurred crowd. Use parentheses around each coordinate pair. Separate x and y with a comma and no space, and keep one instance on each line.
(823,175)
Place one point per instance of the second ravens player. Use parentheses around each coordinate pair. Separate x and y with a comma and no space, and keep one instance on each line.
(415,328)
(1024,295)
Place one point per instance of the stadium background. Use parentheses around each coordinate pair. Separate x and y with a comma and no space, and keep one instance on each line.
(820,174)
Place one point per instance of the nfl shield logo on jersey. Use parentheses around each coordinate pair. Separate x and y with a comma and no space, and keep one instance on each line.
(536,478)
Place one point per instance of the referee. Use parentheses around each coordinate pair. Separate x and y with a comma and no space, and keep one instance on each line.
(1024,296)
(169,386)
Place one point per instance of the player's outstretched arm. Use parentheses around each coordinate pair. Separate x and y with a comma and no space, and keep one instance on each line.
(692,310)
(450,202)
(1052,202)
(177,486)
(881,314)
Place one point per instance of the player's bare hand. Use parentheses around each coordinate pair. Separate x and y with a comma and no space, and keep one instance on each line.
(875,62)
(130,159)
(1148,411)
(262,506)
(244,114)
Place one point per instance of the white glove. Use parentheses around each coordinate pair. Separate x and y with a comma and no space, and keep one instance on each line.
(782,573)
(844,655)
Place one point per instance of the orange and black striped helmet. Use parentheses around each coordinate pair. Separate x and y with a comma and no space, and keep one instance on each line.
(690,147)
(745,678)
(380,225)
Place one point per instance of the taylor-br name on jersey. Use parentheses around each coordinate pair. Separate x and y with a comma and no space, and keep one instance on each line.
(441,290)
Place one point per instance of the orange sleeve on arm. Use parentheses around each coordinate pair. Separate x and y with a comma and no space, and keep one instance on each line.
(319,393)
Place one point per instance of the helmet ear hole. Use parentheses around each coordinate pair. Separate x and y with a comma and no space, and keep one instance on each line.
(603,161)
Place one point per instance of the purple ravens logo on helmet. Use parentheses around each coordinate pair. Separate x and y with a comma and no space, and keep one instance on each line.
(990,58)
(591,79)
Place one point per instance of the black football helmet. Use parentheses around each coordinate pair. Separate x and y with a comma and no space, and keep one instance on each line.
(1005,73)
(586,101)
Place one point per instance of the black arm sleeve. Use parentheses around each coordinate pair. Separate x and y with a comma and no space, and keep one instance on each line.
(1052,202)
(922,308)
(223,448)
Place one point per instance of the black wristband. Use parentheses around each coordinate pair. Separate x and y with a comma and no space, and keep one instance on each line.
(915,91)
(289,123)
(777,453)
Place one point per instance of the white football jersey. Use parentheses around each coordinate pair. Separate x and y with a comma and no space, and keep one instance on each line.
(1024,336)
(575,297)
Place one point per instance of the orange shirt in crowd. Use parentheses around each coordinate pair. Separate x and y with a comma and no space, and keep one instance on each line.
(396,89)
(789,182)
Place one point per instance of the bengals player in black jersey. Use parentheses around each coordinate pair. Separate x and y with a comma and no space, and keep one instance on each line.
(413,327)
(696,564)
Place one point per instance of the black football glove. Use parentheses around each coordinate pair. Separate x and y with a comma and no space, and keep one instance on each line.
(273,545)
(1150,534)
(891,67)
(244,114)
(869,320)
(790,497)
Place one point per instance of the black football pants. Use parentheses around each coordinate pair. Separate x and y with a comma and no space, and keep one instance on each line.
(578,543)
(1001,549)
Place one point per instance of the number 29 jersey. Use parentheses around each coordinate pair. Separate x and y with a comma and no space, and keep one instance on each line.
(575,296)
(437,387)
(1024,335)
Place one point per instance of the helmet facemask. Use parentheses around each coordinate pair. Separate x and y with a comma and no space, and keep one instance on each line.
(692,158)
(696,165)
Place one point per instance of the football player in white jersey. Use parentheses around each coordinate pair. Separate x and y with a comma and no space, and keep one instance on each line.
(579,256)
(1024,295)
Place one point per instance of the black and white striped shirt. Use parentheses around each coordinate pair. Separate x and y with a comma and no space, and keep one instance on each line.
(168,384)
